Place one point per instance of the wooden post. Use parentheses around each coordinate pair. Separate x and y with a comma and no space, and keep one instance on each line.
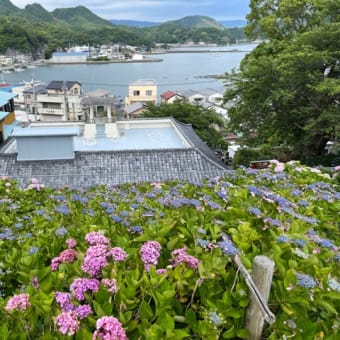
(262,274)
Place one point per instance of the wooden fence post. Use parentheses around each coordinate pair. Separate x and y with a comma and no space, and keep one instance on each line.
(262,274)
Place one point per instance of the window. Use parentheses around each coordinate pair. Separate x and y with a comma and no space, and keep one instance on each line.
(148,93)
(136,93)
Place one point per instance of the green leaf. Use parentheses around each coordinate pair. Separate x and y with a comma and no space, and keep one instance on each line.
(230,333)
(242,333)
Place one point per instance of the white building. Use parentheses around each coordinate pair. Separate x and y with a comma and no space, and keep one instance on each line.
(69,57)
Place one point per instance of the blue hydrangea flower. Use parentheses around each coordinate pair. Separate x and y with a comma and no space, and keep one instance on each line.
(299,242)
(282,239)
(62,231)
(333,284)
(33,250)
(63,209)
(255,211)
(305,281)
(228,247)
(215,318)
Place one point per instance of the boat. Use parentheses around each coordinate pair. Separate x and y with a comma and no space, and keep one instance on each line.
(19,69)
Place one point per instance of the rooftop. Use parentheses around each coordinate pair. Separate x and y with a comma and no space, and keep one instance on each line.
(144,82)
(154,154)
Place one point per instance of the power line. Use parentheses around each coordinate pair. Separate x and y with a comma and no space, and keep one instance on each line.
(165,84)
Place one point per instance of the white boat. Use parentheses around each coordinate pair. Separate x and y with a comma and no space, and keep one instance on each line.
(19,69)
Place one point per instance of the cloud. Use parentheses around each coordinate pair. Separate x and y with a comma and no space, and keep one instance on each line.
(152,10)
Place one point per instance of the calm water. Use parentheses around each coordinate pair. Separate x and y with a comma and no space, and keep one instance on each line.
(177,71)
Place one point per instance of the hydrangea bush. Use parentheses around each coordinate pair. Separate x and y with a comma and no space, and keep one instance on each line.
(155,260)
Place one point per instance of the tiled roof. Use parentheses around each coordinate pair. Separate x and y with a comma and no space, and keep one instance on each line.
(117,167)
(60,84)
(133,107)
(168,94)
(112,168)
(38,89)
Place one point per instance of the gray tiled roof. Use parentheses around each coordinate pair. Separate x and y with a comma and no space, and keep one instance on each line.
(117,167)
(59,84)
(114,167)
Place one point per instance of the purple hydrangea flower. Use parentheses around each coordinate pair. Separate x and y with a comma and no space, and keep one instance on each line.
(150,252)
(118,254)
(108,327)
(18,302)
(64,301)
(81,285)
(110,285)
(181,256)
(95,238)
(83,311)
(68,323)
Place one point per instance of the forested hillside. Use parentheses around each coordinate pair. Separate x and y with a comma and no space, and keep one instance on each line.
(35,31)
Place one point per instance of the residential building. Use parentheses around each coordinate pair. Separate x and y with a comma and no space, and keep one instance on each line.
(133,110)
(193,97)
(30,97)
(170,97)
(7,114)
(212,96)
(142,91)
(62,101)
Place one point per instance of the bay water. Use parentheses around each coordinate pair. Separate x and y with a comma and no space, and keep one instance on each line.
(176,71)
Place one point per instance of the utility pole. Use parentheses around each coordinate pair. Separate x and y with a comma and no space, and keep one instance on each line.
(35,111)
(65,101)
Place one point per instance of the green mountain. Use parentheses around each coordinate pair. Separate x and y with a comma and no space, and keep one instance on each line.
(36,12)
(7,8)
(80,16)
(38,32)
(198,21)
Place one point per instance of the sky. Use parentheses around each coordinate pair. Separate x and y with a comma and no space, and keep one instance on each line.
(151,10)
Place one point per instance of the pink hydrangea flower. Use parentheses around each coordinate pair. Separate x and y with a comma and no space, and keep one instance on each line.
(181,256)
(109,328)
(56,262)
(68,323)
(81,285)
(18,302)
(95,259)
(118,254)
(95,238)
(71,243)
(83,311)
(150,252)
(110,285)
(68,256)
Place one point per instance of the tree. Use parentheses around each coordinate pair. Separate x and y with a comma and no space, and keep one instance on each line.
(206,123)
(287,91)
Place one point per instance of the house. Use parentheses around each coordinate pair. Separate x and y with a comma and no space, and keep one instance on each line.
(142,91)
(170,97)
(212,96)
(7,114)
(193,97)
(133,110)
(30,97)
(69,57)
(61,101)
